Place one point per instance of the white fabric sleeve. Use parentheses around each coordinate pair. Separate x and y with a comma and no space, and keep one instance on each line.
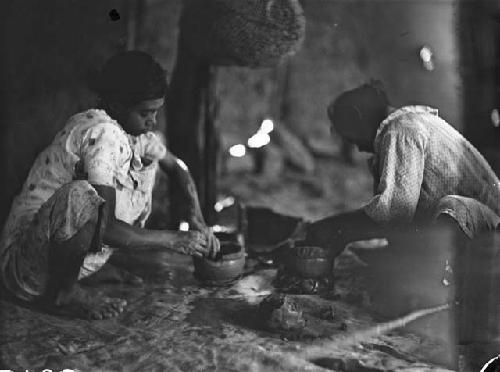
(151,146)
(401,166)
(103,147)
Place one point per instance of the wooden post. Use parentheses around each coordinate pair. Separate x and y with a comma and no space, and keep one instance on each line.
(190,127)
(479,34)
(211,149)
(135,13)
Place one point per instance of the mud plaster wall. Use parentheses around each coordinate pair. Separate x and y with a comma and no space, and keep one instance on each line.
(51,46)
(348,43)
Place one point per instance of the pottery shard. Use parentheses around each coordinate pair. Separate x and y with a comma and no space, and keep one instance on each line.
(294,151)
(282,313)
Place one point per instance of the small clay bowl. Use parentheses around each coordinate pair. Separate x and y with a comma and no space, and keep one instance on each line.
(308,262)
(226,267)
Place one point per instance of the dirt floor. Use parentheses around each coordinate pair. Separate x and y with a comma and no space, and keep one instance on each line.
(172,323)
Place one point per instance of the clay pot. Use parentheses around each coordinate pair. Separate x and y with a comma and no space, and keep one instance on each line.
(224,268)
(308,262)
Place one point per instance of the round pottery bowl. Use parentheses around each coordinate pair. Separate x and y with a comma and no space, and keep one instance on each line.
(309,262)
(224,268)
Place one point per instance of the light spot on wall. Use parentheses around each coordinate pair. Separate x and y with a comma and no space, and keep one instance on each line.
(495,118)
(267,126)
(427,57)
(258,140)
(224,203)
(237,151)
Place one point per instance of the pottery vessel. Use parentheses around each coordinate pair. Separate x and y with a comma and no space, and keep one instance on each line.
(308,261)
(227,266)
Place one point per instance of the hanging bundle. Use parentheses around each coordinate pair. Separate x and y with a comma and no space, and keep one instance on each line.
(254,33)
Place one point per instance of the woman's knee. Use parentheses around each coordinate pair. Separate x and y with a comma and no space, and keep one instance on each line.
(74,208)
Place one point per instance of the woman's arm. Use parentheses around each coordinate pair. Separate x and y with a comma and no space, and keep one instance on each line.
(179,172)
(122,235)
(335,232)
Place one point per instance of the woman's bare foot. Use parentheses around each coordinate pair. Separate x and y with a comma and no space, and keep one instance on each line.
(83,304)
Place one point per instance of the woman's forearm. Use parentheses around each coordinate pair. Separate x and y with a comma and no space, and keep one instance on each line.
(122,235)
(178,170)
(119,234)
(356,225)
(337,231)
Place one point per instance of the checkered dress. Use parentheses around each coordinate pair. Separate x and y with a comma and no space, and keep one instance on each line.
(421,159)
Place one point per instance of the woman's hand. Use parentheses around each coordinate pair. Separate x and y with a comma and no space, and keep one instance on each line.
(335,232)
(213,242)
(326,234)
(192,243)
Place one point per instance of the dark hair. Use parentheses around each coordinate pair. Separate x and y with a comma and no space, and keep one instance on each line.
(367,104)
(129,78)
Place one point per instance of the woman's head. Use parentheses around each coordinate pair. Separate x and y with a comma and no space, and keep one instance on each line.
(357,114)
(132,88)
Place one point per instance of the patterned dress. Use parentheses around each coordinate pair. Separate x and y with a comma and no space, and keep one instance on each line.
(57,198)
(423,167)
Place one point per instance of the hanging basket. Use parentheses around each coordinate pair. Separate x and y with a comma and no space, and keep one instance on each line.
(254,33)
